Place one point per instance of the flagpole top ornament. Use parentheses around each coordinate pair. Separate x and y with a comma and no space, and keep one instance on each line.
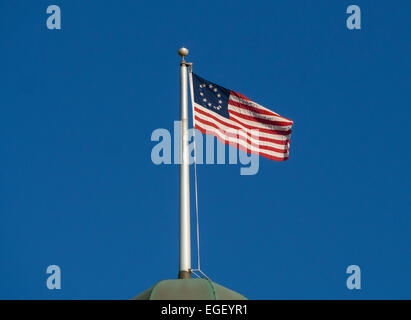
(182,52)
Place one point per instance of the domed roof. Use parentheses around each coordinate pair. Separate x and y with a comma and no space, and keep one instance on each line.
(188,289)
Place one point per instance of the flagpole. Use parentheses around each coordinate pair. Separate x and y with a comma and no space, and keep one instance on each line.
(185,249)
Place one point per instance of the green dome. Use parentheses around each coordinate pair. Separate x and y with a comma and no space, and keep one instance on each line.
(188,289)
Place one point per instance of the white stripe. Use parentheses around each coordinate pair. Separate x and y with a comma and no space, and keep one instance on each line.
(242,143)
(274,136)
(254,141)
(256,105)
(252,136)
(260,125)
(254,114)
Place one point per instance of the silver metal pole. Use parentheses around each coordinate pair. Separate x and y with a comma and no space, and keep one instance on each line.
(185,248)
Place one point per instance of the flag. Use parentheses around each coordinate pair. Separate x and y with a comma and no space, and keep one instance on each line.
(236,120)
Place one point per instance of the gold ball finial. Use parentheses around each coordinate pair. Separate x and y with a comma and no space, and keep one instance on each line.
(182,52)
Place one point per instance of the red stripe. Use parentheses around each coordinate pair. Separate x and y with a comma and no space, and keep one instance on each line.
(270,131)
(280,142)
(256,110)
(268,156)
(259,120)
(283,133)
(239,95)
(241,138)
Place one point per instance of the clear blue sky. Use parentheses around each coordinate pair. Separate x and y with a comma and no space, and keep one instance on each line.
(78,188)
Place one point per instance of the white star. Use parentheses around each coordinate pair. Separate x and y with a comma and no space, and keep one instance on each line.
(210,86)
(205,100)
(209,104)
(215,89)
(220,102)
(219,95)
(201,94)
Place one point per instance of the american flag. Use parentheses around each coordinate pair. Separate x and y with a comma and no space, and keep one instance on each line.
(236,120)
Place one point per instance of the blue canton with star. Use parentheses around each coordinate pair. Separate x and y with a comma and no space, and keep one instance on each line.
(211,96)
